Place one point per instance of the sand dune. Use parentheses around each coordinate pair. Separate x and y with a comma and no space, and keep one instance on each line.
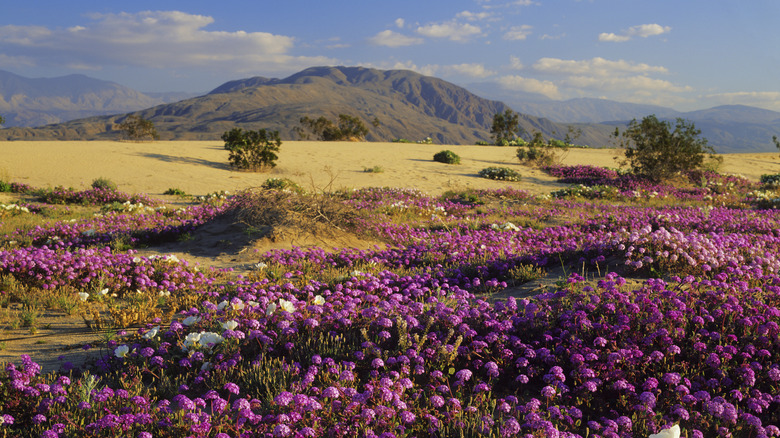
(200,167)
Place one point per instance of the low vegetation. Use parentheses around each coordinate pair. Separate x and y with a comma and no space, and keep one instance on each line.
(346,128)
(446,157)
(500,173)
(134,128)
(252,150)
(622,307)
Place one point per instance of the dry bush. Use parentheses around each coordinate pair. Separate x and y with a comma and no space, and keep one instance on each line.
(279,214)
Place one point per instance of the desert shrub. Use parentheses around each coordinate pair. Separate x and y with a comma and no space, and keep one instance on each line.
(282,184)
(252,150)
(447,157)
(104,184)
(770,180)
(499,173)
(175,191)
(346,127)
(656,150)
(134,128)
(538,155)
(375,169)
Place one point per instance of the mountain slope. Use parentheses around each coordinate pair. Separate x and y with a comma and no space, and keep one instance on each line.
(408,105)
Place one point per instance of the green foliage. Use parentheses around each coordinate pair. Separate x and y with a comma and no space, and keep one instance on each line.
(655,150)
(774,138)
(283,184)
(175,191)
(447,157)
(375,169)
(252,150)
(104,184)
(770,180)
(499,173)
(134,128)
(346,128)
(506,126)
(2,120)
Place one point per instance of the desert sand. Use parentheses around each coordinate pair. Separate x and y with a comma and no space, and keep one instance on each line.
(200,167)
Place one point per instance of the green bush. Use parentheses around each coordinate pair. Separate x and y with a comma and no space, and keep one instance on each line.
(375,169)
(447,157)
(252,150)
(175,191)
(770,180)
(541,156)
(282,184)
(500,173)
(104,184)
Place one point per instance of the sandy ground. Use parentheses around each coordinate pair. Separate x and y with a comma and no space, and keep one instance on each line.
(201,167)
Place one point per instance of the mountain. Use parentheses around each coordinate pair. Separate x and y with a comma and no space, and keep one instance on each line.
(728,128)
(407,105)
(41,101)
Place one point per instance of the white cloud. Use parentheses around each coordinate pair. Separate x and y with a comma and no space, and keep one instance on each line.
(643,31)
(517,33)
(595,67)
(473,16)
(471,70)
(399,23)
(157,39)
(530,85)
(451,30)
(390,38)
(515,63)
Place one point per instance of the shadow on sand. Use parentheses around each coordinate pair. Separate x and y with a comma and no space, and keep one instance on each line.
(187,160)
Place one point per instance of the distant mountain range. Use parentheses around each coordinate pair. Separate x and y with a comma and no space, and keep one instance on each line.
(43,101)
(408,105)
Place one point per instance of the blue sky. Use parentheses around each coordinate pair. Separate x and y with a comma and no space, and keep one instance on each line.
(684,54)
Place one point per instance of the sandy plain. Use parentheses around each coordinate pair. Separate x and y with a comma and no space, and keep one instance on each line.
(200,167)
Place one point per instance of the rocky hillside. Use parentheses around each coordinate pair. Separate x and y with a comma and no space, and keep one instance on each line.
(408,105)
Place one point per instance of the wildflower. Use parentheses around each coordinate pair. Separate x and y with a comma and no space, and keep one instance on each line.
(287,306)
(319,300)
(270,309)
(83,296)
(151,333)
(190,320)
(121,351)
(672,432)
(230,325)
(231,387)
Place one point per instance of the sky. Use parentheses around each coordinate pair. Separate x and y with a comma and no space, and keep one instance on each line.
(683,54)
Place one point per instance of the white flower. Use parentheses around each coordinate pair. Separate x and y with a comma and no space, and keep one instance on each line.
(104,291)
(151,333)
(191,341)
(319,300)
(88,233)
(190,320)
(237,304)
(252,303)
(121,351)
(136,259)
(287,306)
(260,266)
(83,296)
(207,338)
(165,293)
(270,309)
(222,305)
(230,325)
(672,432)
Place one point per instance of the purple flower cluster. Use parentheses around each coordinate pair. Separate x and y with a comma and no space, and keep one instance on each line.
(405,344)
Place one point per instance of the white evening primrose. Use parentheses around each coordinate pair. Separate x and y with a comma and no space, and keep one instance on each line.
(190,320)
(83,296)
(104,291)
(121,351)
(270,309)
(230,325)
(222,304)
(209,339)
(319,300)
(672,432)
(151,333)
(237,304)
(287,306)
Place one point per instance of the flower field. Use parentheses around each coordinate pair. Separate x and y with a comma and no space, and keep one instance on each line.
(667,313)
